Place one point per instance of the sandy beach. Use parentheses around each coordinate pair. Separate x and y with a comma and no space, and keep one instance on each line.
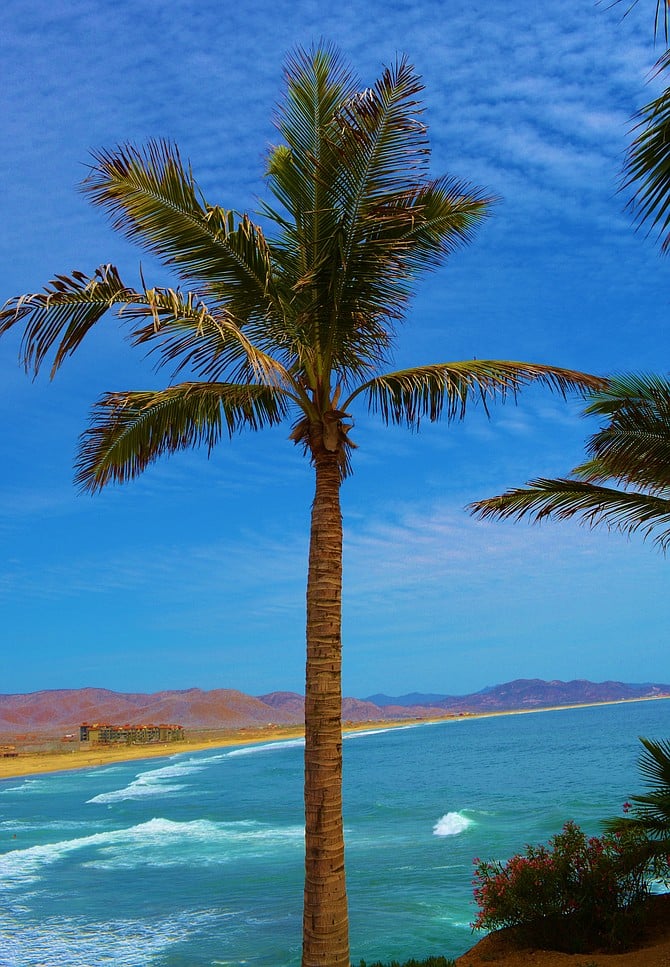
(36,763)
(78,757)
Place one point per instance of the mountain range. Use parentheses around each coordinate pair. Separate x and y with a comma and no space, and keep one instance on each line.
(65,709)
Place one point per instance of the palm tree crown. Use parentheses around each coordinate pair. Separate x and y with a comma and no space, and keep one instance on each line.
(299,325)
(626,482)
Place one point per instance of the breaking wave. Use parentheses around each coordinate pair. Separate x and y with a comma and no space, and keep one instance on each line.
(151,783)
(451,824)
(266,747)
(156,843)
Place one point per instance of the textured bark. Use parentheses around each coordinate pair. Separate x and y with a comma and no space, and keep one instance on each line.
(325,917)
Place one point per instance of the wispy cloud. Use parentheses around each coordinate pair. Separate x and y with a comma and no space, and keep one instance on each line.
(532,101)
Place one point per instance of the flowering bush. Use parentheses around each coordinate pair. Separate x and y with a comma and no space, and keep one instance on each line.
(578,893)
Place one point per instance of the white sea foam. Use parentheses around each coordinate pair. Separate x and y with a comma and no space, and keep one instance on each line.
(21,866)
(156,843)
(152,782)
(451,824)
(57,825)
(73,942)
(136,790)
(364,733)
(267,747)
(27,787)
(199,759)
(361,734)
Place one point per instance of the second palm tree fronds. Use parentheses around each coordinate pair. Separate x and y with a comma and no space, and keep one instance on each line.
(626,482)
(646,168)
(296,323)
(647,818)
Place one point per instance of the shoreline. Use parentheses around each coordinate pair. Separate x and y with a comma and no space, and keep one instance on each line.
(29,764)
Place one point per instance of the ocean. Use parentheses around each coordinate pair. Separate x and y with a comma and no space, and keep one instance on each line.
(195,860)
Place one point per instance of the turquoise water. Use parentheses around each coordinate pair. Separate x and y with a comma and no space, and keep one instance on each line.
(196,860)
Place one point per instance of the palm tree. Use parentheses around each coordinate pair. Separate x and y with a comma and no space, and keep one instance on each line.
(647,822)
(296,326)
(646,167)
(632,451)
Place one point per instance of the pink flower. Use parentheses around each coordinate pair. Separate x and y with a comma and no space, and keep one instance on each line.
(626,807)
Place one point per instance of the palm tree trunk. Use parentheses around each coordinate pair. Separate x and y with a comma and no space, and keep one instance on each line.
(325,917)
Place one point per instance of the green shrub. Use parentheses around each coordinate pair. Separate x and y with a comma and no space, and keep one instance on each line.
(576,894)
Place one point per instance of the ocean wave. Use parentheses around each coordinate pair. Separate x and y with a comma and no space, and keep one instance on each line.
(57,825)
(152,782)
(389,728)
(29,787)
(200,760)
(168,772)
(136,790)
(451,824)
(362,733)
(156,843)
(266,747)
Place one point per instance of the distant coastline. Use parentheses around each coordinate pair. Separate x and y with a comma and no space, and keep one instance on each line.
(38,763)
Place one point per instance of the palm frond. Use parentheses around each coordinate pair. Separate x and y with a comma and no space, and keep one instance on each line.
(362,217)
(446,389)
(650,815)
(562,499)
(654,764)
(382,150)
(625,389)
(63,314)
(130,430)
(393,221)
(448,213)
(317,82)
(299,172)
(634,455)
(647,165)
(634,447)
(660,15)
(153,199)
(58,319)
(391,244)
(183,333)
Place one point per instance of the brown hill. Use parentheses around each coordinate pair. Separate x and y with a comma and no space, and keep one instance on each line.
(526,693)
(290,703)
(535,693)
(63,710)
(353,709)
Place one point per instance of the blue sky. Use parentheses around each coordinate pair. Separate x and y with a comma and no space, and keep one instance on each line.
(194,574)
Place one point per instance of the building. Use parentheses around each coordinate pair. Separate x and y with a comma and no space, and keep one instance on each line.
(104,734)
